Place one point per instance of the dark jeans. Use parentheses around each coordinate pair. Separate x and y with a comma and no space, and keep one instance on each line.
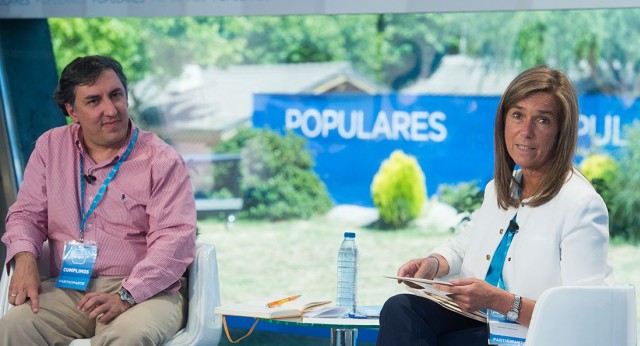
(407,319)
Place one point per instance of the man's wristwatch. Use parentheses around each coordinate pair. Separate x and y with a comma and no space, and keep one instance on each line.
(125,296)
(512,315)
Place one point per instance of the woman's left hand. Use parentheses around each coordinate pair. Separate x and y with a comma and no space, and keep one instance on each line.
(472,294)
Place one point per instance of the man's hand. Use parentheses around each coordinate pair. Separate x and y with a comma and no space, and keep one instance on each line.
(25,283)
(103,307)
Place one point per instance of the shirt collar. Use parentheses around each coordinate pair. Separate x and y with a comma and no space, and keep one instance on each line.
(517,174)
(78,138)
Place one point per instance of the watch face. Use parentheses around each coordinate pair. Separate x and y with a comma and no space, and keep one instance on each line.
(512,316)
(125,296)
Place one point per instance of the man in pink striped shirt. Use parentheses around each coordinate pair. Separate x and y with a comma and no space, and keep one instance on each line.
(143,224)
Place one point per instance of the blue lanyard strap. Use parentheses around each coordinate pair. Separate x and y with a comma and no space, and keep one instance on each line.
(104,185)
(494,275)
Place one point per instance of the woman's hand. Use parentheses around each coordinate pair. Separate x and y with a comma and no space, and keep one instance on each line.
(424,268)
(476,294)
(473,294)
(410,268)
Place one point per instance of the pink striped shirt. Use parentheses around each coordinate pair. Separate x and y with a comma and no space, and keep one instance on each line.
(144,226)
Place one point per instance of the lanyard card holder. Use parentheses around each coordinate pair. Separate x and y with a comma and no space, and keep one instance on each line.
(77,265)
(503,332)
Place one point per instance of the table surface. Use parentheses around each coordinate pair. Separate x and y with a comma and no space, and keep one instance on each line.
(329,322)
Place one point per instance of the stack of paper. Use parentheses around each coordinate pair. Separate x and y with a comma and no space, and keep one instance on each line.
(438,296)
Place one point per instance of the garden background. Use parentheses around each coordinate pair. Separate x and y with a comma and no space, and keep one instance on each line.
(193,81)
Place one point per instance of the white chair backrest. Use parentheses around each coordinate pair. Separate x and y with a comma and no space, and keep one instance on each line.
(584,316)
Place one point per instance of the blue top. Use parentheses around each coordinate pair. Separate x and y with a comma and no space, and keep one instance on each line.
(494,274)
(349,235)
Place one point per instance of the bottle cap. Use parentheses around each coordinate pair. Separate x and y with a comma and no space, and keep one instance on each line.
(349,235)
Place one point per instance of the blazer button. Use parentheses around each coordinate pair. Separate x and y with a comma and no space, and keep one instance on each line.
(501,231)
(488,257)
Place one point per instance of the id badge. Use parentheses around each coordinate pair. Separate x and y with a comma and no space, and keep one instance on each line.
(77,265)
(503,332)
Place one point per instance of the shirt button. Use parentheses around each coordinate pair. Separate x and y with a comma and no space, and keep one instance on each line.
(501,230)
(488,257)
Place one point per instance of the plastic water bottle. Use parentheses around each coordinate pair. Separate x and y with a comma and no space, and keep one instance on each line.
(348,272)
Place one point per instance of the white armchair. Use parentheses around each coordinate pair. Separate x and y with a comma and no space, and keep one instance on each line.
(203,326)
(584,316)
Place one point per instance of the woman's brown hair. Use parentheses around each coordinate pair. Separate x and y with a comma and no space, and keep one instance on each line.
(532,81)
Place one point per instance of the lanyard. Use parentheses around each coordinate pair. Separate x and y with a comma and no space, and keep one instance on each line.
(494,274)
(103,187)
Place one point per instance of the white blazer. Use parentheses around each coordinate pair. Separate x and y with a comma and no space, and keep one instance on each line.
(560,243)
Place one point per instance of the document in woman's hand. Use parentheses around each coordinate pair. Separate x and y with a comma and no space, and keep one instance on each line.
(426,284)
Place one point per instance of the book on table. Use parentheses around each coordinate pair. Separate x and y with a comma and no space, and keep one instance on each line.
(440,297)
(259,308)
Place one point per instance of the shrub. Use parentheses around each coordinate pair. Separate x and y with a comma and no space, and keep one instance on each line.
(277,180)
(601,170)
(463,197)
(398,190)
(624,195)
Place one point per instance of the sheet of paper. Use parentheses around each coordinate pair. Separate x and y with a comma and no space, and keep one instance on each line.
(426,284)
(327,312)
(447,303)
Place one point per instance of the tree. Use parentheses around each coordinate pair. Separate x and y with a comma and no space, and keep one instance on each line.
(146,47)
(277,178)
(120,39)
(395,49)
(624,190)
(530,47)
(413,45)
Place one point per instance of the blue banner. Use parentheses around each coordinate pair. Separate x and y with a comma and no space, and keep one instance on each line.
(450,136)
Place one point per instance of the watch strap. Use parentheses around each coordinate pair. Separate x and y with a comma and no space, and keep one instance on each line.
(125,296)
(515,308)
(517,303)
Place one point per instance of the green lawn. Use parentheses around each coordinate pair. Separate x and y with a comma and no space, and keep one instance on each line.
(262,259)
(266,258)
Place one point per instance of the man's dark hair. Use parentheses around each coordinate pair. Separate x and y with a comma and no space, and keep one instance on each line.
(84,71)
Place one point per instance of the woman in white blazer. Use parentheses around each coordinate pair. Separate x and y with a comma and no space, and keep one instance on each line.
(541,225)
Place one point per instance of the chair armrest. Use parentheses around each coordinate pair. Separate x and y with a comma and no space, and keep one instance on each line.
(7,274)
(4,288)
(203,327)
(584,316)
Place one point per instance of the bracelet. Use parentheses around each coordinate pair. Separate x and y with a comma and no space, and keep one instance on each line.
(437,266)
